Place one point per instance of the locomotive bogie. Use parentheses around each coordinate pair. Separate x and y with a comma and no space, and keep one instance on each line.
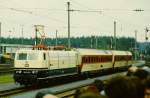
(25,76)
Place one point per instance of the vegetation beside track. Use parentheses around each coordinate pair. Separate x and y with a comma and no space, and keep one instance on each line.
(6,78)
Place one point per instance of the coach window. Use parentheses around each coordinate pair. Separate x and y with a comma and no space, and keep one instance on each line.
(44,56)
(86,59)
(92,59)
(110,58)
(89,59)
(83,59)
(124,57)
(127,58)
(130,57)
(121,58)
(99,59)
(96,59)
(116,58)
(102,59)
(107,58)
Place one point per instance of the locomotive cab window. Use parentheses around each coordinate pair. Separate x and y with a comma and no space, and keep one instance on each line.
(22,56)
(27,56)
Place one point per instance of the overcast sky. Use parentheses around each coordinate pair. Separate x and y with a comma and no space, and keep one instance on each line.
(15,14)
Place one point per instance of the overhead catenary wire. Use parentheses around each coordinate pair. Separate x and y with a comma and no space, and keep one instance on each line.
(81,5)
(86,10)
(32,13)
(102,11)
(54,19)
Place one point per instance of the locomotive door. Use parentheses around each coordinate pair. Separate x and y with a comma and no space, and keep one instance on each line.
(46,59)
(53,59)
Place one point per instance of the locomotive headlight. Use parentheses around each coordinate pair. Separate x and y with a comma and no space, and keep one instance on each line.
(19,71)
(34,71)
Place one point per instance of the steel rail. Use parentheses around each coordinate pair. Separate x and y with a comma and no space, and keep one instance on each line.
(14,91)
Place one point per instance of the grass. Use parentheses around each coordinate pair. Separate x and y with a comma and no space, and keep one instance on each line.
(6,78)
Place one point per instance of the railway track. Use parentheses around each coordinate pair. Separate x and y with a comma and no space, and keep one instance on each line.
(6,69)
(68,93)
(63,92)
(14,91)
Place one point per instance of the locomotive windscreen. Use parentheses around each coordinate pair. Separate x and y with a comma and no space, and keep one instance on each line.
(22,56)
(27,56)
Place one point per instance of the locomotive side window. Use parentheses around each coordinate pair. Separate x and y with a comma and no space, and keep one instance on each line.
(22,56)
(32,56)
(44,56)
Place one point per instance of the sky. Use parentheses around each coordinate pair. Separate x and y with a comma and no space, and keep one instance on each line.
(89,18)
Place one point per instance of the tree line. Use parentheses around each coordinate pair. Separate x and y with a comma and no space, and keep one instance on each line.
(99,42)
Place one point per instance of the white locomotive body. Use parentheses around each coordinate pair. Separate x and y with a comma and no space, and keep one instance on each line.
(32,65)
